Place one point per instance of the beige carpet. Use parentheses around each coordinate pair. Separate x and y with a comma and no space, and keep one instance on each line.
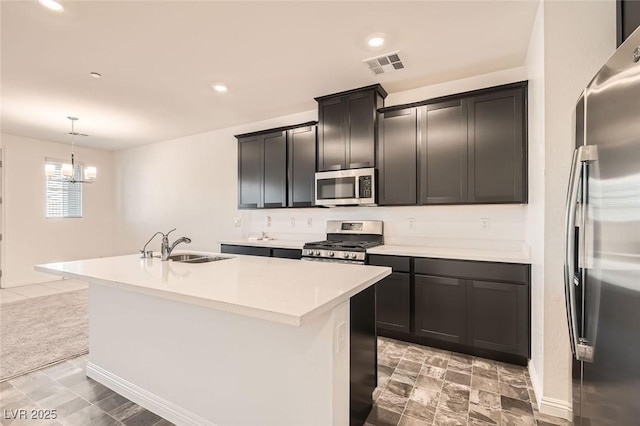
(40,331)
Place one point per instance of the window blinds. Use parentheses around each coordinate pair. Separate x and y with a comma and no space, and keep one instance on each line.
(63,198)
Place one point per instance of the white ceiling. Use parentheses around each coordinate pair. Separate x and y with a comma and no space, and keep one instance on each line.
(159,60)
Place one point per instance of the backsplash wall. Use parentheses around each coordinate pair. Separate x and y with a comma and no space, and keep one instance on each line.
(424,225)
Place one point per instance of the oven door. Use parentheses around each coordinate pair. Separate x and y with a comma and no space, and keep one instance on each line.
(346,188)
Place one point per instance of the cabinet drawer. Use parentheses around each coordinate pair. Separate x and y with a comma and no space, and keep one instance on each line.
(509,272)
(287,253)
(249,250)
(397,263)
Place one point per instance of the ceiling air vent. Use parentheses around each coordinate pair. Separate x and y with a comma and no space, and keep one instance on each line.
(385,63)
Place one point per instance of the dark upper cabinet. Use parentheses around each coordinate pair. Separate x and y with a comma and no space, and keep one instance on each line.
(250,164)
(627,19)
(276,167)
(497,316)
(443,153)
(497,147)
(461,149)
(262,168)
(397,157)
(347,132)
(302,165)
(440,308)
(275,170)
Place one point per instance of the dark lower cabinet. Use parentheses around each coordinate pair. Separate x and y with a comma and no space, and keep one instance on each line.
(261,251)
(497,316)
(393,302)
(248,250)
(440,308)
(480,308)
(363,355)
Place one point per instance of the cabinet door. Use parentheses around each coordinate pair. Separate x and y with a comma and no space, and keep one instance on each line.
(275,170)
(248,250)
(393,302)
(443,162)
(250,172)
(331,135)
(302,166)
(498,316)
(361,121)
(397,157)
(440,308)
(497,142)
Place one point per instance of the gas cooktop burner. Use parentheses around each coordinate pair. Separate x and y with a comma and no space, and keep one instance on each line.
(347,241)
(342,245)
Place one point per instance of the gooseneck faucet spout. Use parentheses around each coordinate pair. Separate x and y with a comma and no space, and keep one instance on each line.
(166,248)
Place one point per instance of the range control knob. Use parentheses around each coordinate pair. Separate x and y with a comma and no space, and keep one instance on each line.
(353,255)
(331,254)
(317,253)
(345,255)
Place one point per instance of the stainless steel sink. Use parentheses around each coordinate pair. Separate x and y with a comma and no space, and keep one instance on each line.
(195,258)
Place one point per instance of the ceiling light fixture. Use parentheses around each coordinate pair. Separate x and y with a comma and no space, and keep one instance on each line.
(68,170)
(51,5)
(95,75)
(221,88)
(376,40)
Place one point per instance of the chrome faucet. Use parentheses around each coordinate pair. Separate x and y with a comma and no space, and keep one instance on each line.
(166,249)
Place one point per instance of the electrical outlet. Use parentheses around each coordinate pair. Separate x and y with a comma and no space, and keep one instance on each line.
(267,221)
(237,222)
(341,337)
(292,222)
(309,222)
(412,223)
(484,222)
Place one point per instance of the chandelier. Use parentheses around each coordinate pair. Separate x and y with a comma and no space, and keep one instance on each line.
(68,170)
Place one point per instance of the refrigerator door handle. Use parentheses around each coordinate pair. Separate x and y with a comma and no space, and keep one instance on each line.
(570,250)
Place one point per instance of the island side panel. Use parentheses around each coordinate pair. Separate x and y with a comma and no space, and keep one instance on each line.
(195,365)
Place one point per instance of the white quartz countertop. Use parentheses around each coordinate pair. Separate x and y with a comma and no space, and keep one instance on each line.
(486,255)
(274,243)
(280,290)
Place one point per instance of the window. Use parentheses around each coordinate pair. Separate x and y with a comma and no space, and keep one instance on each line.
(64,199)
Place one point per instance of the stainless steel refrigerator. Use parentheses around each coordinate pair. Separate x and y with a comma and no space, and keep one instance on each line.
(602,265)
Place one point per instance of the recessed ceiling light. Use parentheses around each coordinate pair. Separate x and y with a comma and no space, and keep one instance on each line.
(51,4)
(376,40)
(220,88)
(96,75)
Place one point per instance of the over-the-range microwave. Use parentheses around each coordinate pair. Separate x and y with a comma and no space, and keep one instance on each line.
(354,187)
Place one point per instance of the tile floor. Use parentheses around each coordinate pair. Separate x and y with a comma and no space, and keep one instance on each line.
(418,386)
(13,294)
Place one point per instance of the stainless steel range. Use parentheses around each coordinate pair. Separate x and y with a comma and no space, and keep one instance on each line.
(347,241)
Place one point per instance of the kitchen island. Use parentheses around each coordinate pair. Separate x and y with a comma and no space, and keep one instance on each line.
(240,341)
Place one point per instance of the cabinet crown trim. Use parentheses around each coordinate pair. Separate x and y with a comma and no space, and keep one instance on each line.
(471,93)
(276,129)
(376,87)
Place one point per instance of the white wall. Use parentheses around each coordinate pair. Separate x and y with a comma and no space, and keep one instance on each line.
(29,238)
(570,41)
(535,211)
(191,183)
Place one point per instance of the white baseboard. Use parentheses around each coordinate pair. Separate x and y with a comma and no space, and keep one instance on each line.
(556,407)
(146,399)
(546,405)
